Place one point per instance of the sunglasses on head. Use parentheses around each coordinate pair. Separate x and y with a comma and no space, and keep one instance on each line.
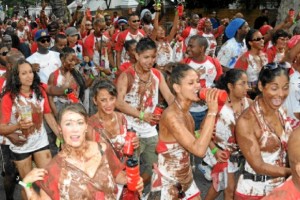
(275,65)
(4,53)
(181,193)
(258,39)
(44,40)
(88,24)
(135,21)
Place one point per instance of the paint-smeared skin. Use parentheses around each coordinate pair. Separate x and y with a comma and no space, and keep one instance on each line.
(272,149)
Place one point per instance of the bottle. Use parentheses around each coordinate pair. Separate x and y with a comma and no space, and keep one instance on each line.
(180,9)
(128,146)
(157,111)
(222,97)
(71,95)
(132,173)
(158,5)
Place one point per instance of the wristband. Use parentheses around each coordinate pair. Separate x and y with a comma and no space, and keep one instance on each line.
(66,91)
(211,114)
(92,77)
(214,150)
(25,185)
(114,69)
(142,115)
(197,134)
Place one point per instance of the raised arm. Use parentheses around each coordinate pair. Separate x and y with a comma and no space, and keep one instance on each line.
(187,139)
(174,29)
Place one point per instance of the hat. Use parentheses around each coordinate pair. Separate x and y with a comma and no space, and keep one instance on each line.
(71,31)
(144,12)
(233,26)
(122,21)
(264,29)
(41,34)
(293,41)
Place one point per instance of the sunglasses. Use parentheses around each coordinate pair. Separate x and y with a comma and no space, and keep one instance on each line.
(135,21)
(44,40)
(4,53)
(181,193)
(88,25)
(275,65)
(258,39)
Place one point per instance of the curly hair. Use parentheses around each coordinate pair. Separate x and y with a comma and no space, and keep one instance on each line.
(13,84)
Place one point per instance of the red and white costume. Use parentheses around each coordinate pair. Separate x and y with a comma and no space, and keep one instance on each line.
(91,50)
(273,151)
(188,32)
(144,97)
(224,137)
(124,36)
(208,70)
(248,63)
(173,167)
(164,53)
(36,135)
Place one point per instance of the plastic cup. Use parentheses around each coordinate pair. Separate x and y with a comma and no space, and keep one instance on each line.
(26,113)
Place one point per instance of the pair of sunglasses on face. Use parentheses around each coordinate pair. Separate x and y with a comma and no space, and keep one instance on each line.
(44,40)
(258,39)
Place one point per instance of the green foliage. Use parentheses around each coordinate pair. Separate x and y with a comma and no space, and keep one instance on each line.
(12,3)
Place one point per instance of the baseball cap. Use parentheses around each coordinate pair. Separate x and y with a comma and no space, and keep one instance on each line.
(71,31)
(41,34)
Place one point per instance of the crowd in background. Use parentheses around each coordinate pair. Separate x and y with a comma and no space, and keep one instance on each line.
(207,87)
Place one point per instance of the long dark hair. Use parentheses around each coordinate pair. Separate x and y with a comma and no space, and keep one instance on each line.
(231,76)
(13,84)
(75,73)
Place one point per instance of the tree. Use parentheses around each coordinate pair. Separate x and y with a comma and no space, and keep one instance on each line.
(59,8)
(284,7)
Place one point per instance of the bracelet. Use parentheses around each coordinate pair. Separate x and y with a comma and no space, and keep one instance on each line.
(142,115)
(92,77)
(197,134)
(25,185)
(214,150)
(211,114)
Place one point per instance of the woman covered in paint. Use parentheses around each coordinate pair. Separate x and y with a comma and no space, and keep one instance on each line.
(254,59)
(83,169)
(107,123)
(22,91)
(173,173)
(68,76)
(225,156)
(262,133)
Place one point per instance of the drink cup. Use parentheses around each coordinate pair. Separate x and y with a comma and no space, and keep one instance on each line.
(26,113)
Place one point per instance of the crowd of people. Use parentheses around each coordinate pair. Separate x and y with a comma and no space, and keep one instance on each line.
(83,101)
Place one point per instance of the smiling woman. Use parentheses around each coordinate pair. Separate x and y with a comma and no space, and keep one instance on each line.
(83,169)
(23,106)
(262,133)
